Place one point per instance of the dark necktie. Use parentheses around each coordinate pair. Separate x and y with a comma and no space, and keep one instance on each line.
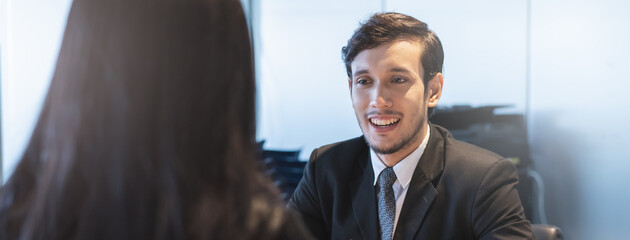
(386,203)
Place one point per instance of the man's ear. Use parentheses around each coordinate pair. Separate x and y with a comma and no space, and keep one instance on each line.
(435,90)
(350,86)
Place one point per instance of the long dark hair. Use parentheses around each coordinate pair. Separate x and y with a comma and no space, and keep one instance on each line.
(147,131)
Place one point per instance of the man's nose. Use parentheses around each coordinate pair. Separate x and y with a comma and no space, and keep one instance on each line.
(379,98)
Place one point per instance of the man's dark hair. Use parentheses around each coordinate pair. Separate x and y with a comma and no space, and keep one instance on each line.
(383,28)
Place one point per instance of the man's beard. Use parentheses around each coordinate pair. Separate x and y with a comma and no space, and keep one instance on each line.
(405,140)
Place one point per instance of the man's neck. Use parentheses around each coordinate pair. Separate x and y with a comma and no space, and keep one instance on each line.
(392,159)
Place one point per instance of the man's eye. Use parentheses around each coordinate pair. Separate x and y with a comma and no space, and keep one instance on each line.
(362,82)
(399,80)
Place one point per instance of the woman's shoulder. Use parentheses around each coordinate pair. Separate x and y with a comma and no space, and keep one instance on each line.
(293,227)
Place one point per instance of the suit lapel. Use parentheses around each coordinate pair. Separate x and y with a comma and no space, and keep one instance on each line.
(421,192)
(364,199)
(417,202)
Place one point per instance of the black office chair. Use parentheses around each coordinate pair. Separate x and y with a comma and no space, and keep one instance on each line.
(286,174)
(547,232)
(282,155)
(283,166)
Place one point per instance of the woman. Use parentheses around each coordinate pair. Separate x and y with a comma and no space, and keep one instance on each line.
(147,131)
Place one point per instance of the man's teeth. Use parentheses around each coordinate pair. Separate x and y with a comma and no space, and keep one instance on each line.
(384,122)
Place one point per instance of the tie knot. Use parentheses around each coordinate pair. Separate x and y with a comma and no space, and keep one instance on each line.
(387,178)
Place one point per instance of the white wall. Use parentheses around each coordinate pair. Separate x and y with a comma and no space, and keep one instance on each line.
(3,40)
(31,36)
(579,114)
(484,45)
(304,96)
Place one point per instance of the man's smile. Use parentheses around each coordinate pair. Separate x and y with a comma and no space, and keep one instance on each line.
(388,122)
(382,123)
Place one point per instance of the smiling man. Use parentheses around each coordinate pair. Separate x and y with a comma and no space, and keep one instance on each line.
(405,178)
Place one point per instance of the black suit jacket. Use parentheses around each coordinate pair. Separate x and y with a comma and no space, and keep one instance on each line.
(458,191)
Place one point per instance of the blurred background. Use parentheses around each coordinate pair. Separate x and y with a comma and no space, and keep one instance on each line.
(562,65)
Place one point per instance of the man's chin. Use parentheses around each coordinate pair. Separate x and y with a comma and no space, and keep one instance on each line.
(383,148)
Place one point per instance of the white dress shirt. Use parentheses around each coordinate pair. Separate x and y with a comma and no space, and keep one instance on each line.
(404,171)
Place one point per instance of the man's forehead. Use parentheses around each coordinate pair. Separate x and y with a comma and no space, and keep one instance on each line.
(398,56)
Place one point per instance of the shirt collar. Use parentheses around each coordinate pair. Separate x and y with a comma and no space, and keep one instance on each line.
(403,169)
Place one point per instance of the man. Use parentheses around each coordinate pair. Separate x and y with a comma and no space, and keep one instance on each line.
(405,178)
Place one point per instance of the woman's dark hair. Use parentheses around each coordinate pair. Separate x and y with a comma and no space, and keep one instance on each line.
(384,28)
(147,130)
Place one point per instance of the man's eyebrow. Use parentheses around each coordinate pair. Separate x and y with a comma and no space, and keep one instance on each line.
(360,72)
(400,70)
(395,69)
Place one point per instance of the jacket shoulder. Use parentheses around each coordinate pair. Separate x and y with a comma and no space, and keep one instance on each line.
(470,164)
(344,149)
(471,152)
(340,157)
(456,150)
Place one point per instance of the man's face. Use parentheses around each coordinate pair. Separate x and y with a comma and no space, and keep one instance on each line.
(389,98)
